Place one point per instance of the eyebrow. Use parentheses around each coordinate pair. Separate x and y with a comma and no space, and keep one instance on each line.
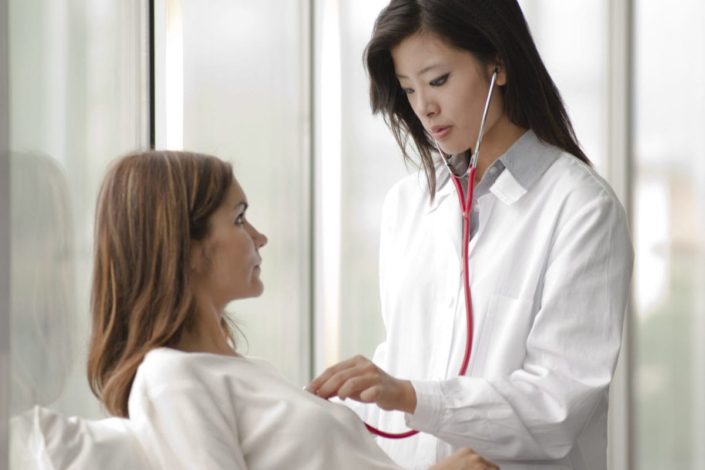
(241,203)
(422,71)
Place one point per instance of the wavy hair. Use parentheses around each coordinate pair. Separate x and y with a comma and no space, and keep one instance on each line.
(151,207)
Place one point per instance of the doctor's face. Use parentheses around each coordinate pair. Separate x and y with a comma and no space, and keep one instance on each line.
(227,262)
(447,88)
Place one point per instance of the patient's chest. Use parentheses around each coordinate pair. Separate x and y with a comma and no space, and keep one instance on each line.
(280,424)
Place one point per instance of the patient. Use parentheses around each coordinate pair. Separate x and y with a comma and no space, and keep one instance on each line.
(173,248)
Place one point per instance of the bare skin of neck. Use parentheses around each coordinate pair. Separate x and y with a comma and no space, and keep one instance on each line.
(207,335)
(496,142)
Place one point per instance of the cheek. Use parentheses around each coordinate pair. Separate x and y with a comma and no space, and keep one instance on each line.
(467,99)
(224,258)
(239,257)
(469,106)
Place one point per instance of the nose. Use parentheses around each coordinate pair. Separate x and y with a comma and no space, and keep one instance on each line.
(426,106)
(260,239)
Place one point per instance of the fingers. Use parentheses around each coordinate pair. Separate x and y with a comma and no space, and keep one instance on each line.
(316,383)
(360,379)
(350,382)
(332,379)
(473,461)
(370,394)
(364,388)
(465,459)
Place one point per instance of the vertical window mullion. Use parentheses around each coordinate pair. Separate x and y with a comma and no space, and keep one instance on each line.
(620,175)
(4,236)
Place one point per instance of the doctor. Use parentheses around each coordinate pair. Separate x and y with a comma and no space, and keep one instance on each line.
(550,258)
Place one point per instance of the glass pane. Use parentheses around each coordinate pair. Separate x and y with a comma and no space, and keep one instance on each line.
(244,99)
(370,164)
(77,100)
(560,29)
(669,197)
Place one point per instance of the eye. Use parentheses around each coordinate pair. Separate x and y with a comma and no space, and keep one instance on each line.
(440,80)
(240,219)
(406,91)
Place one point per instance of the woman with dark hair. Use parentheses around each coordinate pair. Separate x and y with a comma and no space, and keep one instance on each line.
(550,258)
(173,248)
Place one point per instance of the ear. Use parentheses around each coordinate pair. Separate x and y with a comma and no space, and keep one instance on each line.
(498,66)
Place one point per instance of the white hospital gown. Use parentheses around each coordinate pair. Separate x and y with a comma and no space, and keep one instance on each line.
(207,411)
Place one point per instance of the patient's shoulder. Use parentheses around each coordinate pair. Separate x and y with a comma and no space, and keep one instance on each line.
(167,366)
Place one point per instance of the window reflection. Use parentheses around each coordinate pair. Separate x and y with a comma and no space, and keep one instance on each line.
(76,102)
(43,297)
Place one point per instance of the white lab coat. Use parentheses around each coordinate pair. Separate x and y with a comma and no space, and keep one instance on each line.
(550,272)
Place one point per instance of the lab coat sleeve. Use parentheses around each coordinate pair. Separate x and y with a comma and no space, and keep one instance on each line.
(539,410)
(188,425)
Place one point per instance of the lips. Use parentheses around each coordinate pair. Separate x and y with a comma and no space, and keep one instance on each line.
(439,132)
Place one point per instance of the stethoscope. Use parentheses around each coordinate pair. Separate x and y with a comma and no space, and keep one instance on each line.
(466,212)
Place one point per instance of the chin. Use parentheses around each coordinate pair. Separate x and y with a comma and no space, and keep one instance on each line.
(254,290)
(455,148)
(258,289)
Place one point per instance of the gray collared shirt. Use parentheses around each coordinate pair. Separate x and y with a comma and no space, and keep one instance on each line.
(524,160)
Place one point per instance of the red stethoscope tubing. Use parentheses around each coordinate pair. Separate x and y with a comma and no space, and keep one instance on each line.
(465,201)
(466,206)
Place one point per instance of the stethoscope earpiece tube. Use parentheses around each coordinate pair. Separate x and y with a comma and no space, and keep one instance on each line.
(465,201)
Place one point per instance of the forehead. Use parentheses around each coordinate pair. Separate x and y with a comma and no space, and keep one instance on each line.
(235,194)
(424,50)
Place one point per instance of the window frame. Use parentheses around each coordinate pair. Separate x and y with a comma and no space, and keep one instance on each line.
(4,236)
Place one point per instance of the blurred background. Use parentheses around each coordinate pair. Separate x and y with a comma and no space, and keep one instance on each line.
(278,88)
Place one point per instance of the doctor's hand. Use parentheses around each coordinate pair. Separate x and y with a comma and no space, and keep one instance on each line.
(360,379)
(464,459)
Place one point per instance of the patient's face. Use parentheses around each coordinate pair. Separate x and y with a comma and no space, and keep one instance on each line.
(228,260)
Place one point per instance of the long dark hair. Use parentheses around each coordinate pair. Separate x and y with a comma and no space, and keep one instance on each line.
(152,206)
(489,29)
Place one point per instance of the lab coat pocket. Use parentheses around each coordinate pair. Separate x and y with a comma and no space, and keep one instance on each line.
(502,345)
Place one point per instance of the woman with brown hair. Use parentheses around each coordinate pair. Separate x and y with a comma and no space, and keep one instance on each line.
(173,248)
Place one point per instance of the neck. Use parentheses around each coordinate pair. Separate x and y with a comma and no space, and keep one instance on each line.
(206,335)
(496,142)
(197,341)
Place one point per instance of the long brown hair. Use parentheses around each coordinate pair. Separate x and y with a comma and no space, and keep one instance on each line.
(490,30)
(151,207)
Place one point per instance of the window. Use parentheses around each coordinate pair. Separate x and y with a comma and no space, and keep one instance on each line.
(243,94)
(77,100)
(669,235)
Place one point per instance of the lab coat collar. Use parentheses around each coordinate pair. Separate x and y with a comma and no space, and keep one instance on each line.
(444,187)
(524,163)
